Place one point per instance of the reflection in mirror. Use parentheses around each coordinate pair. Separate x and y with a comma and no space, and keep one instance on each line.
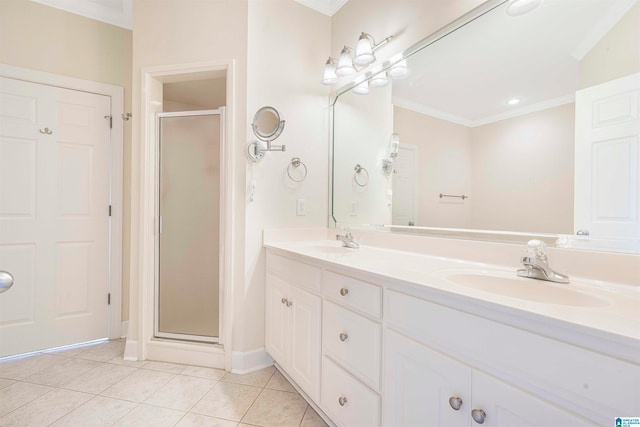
(534,118)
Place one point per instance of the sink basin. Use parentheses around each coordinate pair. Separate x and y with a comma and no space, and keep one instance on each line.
(526,289)
(331,249)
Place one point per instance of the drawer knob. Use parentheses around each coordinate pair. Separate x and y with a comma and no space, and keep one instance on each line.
(344,336)
(289,303)
(342,400)
(284,300)
(478,415)
(344,291)
(455,402)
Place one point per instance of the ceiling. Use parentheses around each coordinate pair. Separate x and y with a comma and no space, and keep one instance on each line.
(118,12)
(468,76)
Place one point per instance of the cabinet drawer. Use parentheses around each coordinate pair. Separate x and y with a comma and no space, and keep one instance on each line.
(347,401)
(355,293)
(294,272)
(354,341)
(598,384)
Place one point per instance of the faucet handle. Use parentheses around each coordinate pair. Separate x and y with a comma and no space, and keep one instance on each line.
(537,249)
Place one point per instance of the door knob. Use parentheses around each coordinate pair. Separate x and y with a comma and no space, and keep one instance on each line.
(478,415)
(6,281)
(455,402)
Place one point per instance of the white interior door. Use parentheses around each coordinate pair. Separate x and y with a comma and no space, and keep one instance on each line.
(607,203)
(405,204)
(54,215)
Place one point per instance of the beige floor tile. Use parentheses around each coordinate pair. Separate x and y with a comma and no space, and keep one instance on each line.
(227,400)
(103,352)
(62,373)
(138,386)
(99,378)
(202,372)
(312,419)
(19,369)
(257,379)
(18,394)
(276,408)
(279,382)
(97,412)
(172,368)
(45,409)
(5,383)
(195,420)
(150,416)
(181,393)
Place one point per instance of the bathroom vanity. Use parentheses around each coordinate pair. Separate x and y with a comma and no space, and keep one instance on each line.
(381,337)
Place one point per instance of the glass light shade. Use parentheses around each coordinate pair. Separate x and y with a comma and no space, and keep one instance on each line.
(329,77)
(399,70)
(520,7)
(379,80)
(345,63)
(362,88)
(364,52)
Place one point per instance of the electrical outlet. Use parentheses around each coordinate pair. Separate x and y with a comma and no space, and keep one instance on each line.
(353,208)
(301,209)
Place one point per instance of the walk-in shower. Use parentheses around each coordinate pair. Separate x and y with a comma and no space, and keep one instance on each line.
(188,225)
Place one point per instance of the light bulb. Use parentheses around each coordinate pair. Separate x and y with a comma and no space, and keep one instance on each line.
(329,77)
(345,63)
(362,88)
(379,80)
(364,52)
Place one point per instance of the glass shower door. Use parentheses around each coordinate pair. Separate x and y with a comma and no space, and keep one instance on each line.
(187,285)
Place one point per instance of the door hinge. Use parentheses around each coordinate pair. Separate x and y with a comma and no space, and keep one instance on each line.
(110,121)
(109,210)
(109,298)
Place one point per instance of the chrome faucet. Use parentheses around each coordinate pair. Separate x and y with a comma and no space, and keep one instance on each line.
(536,265)
(347,239)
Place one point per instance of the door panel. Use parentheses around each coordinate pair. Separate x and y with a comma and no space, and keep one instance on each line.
(54,223)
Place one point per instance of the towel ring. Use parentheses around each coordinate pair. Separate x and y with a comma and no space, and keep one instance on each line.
(296,162)
(361,172)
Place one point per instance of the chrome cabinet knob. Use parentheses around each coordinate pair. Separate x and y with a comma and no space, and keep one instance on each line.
(478,415)
(284,300)
(344,336)
(344,291)
(582,232)
(289,303)
(6,281)
(455,402)
(342,400)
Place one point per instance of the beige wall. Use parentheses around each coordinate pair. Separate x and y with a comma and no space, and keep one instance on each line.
(444,166)
(47,39)
(616,55)
(287,46)
(522,172)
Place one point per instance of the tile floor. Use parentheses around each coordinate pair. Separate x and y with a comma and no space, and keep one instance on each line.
(93,386)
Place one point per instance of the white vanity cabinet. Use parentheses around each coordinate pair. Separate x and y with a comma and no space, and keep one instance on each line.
(371,351)
(293,319)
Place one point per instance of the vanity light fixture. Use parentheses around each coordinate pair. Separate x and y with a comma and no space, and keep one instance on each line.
(520,7)
(329,77)
(399,70)
(364,56)
(379,80)
(362,88)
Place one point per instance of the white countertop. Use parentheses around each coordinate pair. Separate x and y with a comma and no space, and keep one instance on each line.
(598,315)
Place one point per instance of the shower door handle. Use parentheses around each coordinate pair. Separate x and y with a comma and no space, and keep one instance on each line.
(6,281)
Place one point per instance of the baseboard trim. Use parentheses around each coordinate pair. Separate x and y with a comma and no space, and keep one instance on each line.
(250,361)
(131,350)
(124,329)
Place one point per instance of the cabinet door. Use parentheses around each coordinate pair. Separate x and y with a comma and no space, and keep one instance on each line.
(505,405)
(276,320)
(304,361)
(419,383)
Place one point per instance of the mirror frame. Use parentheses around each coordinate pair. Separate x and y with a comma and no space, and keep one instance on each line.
(631,246)
(267,136)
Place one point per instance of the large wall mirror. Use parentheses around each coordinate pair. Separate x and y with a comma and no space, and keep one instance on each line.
(507,123)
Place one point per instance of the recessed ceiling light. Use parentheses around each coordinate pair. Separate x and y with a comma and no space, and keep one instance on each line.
(520,7)
(513,101)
